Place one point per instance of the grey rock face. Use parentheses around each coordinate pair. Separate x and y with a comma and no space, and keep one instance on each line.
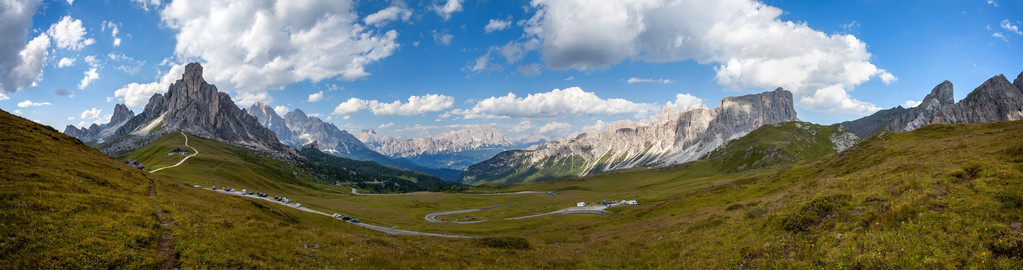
(922,114)
(269,119)
(100,133)
(1019,82)
(870,125)
(193,106)
(671,137)
(330,138)
(993,101)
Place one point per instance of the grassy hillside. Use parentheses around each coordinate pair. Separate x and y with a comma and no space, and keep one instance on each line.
(943,196)
(66,205)
(776,145)
(222,165)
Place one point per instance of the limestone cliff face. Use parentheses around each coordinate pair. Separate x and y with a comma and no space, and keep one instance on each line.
(671,137)
(193,106)
(993,101)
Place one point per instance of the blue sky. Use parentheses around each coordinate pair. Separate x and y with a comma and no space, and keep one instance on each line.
(419,68)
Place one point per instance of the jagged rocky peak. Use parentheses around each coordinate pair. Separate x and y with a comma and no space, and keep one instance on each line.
(997,88)
(941,95)
(99,133)
(1019,82)
(121,114)
(193,106)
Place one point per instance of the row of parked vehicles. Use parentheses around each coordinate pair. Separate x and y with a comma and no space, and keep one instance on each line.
(283,200)
(345,218)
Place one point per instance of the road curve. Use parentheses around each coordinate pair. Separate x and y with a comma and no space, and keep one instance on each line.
(431,217)
(574,210)
(182,160)
(364,225)
(356,192)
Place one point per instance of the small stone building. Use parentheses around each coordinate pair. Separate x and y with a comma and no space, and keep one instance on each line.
(136,164)
(180,151)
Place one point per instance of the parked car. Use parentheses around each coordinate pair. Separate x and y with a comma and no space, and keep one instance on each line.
(297,205)
(355,220)
(336,215)
(346,218)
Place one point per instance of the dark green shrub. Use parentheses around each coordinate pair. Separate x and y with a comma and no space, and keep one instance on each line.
(815,212)
(1009,199)
(507,242)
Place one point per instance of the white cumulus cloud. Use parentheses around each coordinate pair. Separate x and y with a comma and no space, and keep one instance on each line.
(910,104)
(1011,28)
(414,105)
(68,33)
(66,62)
(3,96)
(747,41)
(638,80)
(496,25)
(114,30)
(29,103)
(147,4)
(556,103)
(90,75)
(685,101)
(350,106)
(21,62)
(137,95)
(555,127)
(836,100)
(315,97)
(442,38)
(252,47)
(91,113)
(448,8)
(389,14)
(281,110)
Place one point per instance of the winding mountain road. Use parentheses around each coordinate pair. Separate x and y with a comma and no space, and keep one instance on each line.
(355,192)
(574,210)
(182,160)
(364,225)
(432,217)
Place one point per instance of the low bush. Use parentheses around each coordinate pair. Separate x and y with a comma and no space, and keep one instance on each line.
(507,242)
(815,212)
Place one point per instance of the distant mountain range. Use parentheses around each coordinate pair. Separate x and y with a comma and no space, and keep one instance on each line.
(193,106)
(297,129)
(671,137)
(454,149)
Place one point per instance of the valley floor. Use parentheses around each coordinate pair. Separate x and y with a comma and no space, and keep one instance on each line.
(941,197)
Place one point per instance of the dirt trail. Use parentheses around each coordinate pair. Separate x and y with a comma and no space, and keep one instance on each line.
(165,247)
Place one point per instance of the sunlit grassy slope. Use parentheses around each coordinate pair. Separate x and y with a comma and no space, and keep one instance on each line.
(944,196)
(220,164)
